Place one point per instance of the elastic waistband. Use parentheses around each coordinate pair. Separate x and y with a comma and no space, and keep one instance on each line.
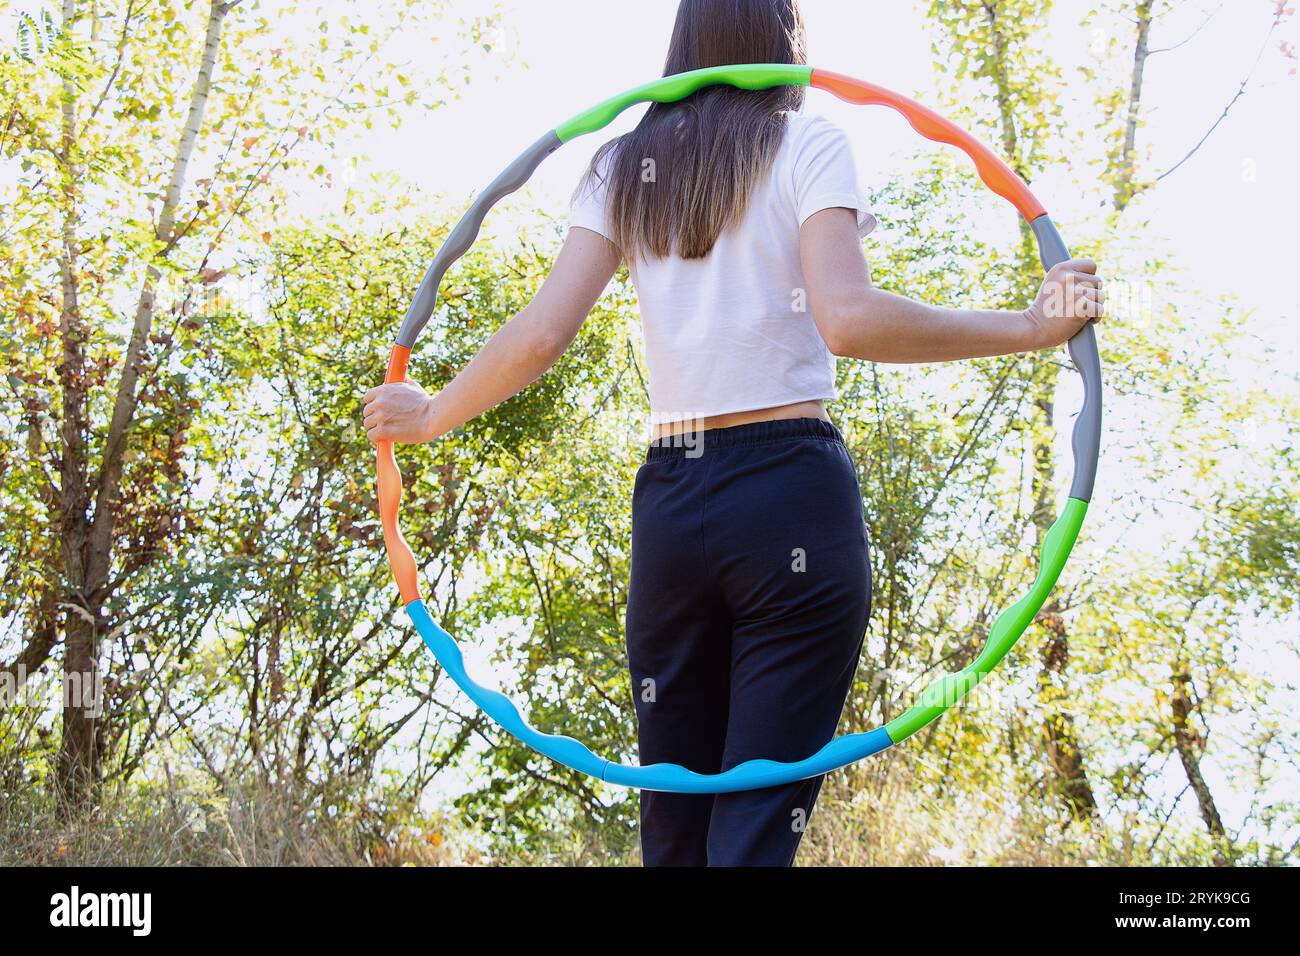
(692,444)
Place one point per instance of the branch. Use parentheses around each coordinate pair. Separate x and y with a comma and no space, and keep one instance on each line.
(117,66)
(38,649)
(1191,36)
(1241,90)
(36,653)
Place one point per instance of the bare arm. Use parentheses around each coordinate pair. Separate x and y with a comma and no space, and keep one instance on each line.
(858,320)
(515,357)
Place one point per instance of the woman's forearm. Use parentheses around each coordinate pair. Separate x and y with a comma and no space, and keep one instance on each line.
(883,327)
(514,358)
(857,320)
(533,340)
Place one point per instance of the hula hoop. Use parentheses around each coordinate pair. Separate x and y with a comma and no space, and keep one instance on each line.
(942,693)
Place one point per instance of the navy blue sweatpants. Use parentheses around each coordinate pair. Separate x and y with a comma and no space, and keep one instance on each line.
(749,596)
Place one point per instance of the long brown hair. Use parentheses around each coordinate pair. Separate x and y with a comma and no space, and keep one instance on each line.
(687,170)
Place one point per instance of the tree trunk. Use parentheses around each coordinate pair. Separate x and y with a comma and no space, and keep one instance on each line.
(1069,775)
(1189,744)
(1125,187)
(78,760)
(1064,756)
(88,542)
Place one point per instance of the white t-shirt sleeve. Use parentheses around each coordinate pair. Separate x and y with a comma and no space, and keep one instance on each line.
(825,175)
(588,209)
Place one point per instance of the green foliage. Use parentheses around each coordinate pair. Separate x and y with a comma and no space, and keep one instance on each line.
(258,664)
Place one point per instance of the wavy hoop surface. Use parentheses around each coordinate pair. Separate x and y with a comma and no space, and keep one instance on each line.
(942,693)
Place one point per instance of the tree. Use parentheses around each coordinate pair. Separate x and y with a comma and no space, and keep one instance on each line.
(1196,588)
(107,122)
(992,42)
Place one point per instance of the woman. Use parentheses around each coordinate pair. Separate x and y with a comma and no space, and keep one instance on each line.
(741,223)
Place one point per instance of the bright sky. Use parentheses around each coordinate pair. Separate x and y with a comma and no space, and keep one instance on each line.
(1228,212)
(1227,216)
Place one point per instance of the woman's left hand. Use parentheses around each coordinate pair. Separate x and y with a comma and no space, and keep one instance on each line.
(400,412)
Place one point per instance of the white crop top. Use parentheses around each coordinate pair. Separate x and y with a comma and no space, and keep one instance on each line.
(732,332)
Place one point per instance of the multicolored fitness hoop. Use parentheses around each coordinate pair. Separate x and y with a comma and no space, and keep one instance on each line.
(942,693)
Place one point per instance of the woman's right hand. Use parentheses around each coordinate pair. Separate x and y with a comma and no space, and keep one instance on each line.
(401,412)
(1070,297)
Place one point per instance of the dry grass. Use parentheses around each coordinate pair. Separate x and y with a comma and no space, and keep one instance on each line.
(874,815)
(172,825)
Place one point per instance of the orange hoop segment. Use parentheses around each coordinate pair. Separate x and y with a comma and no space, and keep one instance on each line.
(996,174)
(400,556)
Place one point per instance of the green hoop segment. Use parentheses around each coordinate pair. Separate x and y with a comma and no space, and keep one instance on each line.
(670,89)
(939,695)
